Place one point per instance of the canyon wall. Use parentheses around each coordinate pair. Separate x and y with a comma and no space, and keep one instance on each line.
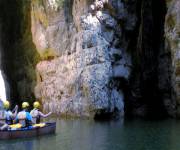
(106,57)
(93,58)
(172,33)
(81,56)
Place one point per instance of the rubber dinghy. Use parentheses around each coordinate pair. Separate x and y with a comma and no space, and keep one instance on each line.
(49,128)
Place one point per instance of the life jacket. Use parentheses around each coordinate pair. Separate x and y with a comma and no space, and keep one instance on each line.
(23,119)
(35,115)
(8,115)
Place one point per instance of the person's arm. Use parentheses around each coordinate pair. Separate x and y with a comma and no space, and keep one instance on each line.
(15,120)
(15,110)
(44,115)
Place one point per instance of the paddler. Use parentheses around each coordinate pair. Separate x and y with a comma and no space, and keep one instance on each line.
(2,116)
(24,117)
(6,115)
(37,114)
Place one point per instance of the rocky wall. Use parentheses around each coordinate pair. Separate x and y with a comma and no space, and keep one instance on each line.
(172,33)
(78,71)
(93,58)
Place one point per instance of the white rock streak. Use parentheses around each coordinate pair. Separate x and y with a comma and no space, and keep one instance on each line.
(2,87)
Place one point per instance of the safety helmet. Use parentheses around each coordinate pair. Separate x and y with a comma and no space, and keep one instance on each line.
(25,105)
(36,104)
(6,104)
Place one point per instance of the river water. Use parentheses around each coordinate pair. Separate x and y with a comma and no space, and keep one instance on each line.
(112,135)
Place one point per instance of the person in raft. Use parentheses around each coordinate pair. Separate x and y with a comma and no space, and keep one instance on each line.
(24,117)
(37,114)
(7,116)
(2,115)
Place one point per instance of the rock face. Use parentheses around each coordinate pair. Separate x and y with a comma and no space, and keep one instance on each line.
(172,32)
(93,58)
(51,26)
(75,78)
(86,67)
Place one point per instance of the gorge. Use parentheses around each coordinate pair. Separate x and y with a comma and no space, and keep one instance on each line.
(85,58)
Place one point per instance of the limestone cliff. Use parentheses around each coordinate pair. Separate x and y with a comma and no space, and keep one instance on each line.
(82,58)
(106,57)
(94,58)
(172,32)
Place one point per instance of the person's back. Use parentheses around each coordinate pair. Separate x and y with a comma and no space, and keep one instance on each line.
(2,116)
(8,115)
(3,124)
(36,114)
(2,112)
(24,117)
(21,117)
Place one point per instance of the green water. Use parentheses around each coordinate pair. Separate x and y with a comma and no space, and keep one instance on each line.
(114,135)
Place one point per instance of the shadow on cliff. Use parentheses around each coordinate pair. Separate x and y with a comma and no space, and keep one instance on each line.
(19,56)
(147,96)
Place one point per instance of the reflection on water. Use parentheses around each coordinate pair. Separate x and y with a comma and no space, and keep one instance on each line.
(114,135)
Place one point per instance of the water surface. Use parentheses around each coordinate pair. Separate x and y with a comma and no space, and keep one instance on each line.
(113,135)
